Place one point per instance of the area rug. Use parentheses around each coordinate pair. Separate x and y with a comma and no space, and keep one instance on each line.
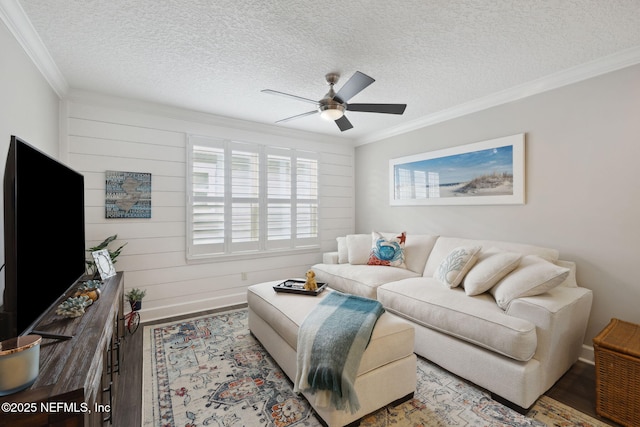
(210,371)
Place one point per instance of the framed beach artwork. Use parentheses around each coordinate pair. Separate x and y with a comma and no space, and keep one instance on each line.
(483,173)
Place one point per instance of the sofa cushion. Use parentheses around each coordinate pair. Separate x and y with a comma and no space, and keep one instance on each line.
(387,249)
(417,248)
(534,276)
(444,245)
(343,253)
(360,280)
(358,248)
(455,266)
(570,281)
(477,319)
(355,249)
(492,265)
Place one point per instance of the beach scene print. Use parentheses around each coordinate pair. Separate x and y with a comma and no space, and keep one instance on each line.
(477,173)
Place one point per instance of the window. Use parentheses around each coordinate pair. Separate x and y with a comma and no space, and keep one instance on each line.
(249,198)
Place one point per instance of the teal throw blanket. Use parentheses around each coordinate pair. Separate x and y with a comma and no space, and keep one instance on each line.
(331,341)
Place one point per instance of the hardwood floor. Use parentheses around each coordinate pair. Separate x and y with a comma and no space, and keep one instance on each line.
(575,389)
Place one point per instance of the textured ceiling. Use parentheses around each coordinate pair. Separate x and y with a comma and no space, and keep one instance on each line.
(216,56)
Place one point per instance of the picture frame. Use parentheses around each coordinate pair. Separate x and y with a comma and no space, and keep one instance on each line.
(127,194)
(490,172)
(103,263)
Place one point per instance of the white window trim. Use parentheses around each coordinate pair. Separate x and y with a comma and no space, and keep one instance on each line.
(306,245)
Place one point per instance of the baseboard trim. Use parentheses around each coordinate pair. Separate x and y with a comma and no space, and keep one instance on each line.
(587,355)
(167,311)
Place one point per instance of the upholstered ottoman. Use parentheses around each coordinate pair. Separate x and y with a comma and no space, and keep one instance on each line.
(387,372)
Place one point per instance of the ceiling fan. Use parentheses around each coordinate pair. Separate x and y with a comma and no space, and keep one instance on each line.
(333,105)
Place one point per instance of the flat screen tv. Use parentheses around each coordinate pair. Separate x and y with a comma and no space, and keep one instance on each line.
(44,236)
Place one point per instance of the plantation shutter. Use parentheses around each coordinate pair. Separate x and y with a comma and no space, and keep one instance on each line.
(207,197)
(247,198)
(243,197)
(307,199)
(280,210)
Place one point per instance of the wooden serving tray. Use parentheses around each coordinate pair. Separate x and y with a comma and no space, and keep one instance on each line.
(295,286)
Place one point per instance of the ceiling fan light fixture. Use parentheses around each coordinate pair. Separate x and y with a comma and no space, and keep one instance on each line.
(331,112)
(333,106)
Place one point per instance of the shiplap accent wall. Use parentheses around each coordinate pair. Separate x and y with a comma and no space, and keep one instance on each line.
(110,134)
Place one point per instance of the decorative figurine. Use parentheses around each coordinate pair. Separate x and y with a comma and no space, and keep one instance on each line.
(74,306)
(310,284)
(90,288)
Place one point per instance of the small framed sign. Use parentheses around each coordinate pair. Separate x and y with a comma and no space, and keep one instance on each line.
(128,194)
(103,263)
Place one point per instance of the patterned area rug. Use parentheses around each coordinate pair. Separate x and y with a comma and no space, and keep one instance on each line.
(210,371)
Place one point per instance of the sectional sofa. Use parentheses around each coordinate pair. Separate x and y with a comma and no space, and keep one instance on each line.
(506,316)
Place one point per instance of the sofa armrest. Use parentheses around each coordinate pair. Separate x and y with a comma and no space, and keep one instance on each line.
(561,317)
(330,258)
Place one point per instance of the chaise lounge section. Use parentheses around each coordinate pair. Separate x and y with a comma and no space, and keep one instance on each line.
(387,370)
(508,317)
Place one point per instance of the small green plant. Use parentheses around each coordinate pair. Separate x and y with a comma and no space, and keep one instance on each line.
(135,294)
(90,263)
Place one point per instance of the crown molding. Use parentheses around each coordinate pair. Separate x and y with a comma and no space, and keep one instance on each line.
(607,64)
(16,20)
(14,17)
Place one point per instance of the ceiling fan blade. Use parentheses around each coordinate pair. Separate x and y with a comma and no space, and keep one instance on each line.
(299,98)
(378,108)
(344,123)
(353,86)
(308,113)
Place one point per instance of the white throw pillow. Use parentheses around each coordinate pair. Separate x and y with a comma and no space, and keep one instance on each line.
(533,276)
(358,248)
(343,253)
(492,265)
(453,268)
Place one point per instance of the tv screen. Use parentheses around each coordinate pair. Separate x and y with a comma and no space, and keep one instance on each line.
(44,235)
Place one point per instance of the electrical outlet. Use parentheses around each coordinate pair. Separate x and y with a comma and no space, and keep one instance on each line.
(243,276)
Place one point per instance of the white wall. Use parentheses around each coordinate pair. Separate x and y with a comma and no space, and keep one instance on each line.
(111,134)
(28,109)
(583,196)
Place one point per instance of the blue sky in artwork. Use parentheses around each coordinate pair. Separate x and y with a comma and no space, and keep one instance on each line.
(464,167)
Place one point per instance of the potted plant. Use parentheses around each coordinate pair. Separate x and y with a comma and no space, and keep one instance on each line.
(135,296)
(113,254)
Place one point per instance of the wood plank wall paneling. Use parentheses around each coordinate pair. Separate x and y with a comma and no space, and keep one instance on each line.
(114,137)
(338,207)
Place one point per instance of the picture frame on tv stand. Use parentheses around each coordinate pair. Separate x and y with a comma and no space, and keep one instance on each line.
(103,263)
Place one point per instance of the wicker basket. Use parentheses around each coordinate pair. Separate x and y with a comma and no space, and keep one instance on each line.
(617,357)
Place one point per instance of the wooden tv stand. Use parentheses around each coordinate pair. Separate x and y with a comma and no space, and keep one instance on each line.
(77,379)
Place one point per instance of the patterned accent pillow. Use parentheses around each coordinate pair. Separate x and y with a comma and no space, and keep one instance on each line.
(453,268)
(387,249)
